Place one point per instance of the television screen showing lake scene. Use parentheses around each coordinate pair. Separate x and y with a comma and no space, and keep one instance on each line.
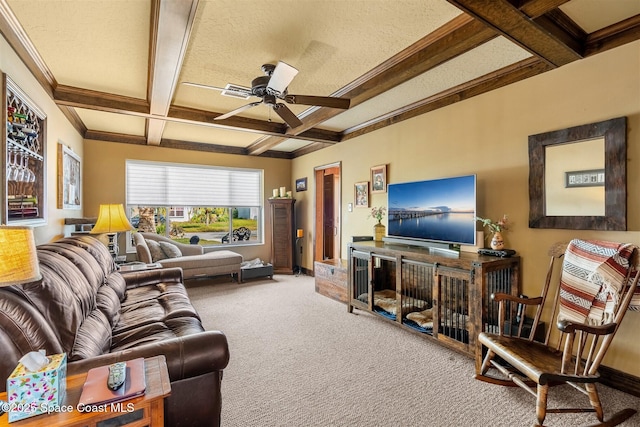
(441,210)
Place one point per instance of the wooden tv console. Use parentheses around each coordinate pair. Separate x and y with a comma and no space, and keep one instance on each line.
(457,289)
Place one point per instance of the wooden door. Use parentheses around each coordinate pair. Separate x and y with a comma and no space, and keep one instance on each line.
(327,213)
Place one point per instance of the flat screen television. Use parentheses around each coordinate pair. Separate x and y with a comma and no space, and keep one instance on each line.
(437,210)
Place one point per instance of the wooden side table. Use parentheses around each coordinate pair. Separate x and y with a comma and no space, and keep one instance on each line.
(144,410)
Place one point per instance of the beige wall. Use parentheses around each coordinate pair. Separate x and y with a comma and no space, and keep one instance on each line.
(58,130)
(105,178)
(487,136)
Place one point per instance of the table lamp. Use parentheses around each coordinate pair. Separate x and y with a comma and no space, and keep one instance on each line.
(18,256)
(111,221)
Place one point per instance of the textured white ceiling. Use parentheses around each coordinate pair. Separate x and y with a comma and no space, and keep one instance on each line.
(103,45)
(92,44)
(488,57)
(112,122)
(330,42)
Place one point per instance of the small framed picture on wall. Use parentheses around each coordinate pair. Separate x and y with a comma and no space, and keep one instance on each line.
(301,184)
(379,179)
(69,179)
(362,194)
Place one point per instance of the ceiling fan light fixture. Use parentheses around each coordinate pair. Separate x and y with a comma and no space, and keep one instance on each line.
(281,78)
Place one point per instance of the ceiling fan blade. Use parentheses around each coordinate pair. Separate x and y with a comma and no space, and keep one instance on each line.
(281,78)
(203,86)
(229,90)
(287,115)
(238,110)
(320,101)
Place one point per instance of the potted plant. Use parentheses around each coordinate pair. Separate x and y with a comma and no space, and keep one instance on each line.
(496,227)
(379,229)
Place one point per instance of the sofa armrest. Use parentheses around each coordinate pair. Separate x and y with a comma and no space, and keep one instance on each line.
(134,279)
(189,249)
(187,356)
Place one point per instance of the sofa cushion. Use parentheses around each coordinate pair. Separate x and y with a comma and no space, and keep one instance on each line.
(108,302)
(63,296)
(170,250)
(116,282)
(155,250)
(142,250)
(93,337)
(208,259)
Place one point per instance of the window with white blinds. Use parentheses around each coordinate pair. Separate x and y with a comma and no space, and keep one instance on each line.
(171,184)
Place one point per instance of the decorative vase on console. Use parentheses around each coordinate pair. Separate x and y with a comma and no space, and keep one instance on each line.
(497,227)
(379,232)
(378,229)
(497,242)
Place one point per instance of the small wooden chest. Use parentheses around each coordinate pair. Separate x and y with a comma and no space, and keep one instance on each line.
(331,279)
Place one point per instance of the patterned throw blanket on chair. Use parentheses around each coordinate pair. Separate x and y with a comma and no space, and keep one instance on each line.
(593,273)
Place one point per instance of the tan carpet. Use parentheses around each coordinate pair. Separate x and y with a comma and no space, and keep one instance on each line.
(299,359)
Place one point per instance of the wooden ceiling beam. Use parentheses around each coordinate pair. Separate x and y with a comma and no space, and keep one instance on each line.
(458,36)
(94,100)
(100,101)
(171,25)
(536,8)
(510,74)
(177,144)
(513,23)
(207,118)
(614,35)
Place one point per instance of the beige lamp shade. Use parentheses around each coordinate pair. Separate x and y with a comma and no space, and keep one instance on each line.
(18,256)
(111,219)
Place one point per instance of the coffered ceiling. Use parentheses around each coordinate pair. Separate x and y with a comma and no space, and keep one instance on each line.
(117,68)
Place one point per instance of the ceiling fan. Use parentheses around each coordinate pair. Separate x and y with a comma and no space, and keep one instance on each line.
(271,87)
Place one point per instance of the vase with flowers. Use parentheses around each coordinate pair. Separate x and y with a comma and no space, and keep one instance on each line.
(496,227)
(379,228)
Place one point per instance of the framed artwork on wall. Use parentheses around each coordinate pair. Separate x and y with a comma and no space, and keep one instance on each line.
(69,178)
(301,184)
(362,194)
(379,179)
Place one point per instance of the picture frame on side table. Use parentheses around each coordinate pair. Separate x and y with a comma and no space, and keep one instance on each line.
(69,178)
(379,179)
(361,190)
(301,184)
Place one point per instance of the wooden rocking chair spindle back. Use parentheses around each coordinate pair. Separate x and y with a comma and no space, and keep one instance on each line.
(525,355)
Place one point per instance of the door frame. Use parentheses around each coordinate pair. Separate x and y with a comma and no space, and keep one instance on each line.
(318,212)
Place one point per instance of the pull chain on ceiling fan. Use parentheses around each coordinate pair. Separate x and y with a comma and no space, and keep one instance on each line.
(273,87)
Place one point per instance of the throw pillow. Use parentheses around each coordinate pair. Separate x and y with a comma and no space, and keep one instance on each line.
(156,251)
(170,250)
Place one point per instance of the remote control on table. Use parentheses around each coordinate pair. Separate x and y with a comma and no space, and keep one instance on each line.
(117,375)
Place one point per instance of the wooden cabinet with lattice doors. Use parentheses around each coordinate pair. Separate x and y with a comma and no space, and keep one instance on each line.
(24,159)
(446,297)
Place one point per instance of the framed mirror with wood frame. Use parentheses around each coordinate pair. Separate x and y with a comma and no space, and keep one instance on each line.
(610,211)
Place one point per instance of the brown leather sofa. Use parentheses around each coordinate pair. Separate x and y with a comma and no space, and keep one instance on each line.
(84,307)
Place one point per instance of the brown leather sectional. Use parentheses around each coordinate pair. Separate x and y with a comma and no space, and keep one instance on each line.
(83,306)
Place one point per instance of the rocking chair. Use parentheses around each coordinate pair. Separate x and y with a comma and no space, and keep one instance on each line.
(596,286)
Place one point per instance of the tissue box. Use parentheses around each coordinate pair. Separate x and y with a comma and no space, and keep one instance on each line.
(33,393)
